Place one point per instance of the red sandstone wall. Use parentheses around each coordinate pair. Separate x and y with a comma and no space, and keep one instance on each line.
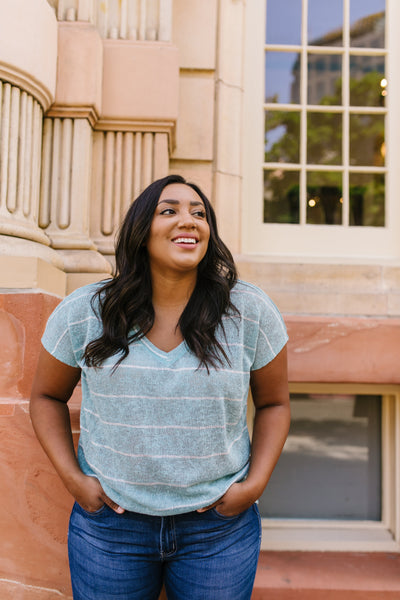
(34,505)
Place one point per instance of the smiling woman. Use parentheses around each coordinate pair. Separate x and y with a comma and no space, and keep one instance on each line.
(166,350)
(179,232)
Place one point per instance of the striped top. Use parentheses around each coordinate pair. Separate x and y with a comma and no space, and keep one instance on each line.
(162,435)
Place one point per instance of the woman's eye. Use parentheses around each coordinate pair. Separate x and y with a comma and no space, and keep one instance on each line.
(167,211)
(200,213)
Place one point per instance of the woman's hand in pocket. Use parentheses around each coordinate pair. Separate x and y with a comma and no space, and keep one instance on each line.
(238,498)
(90,495)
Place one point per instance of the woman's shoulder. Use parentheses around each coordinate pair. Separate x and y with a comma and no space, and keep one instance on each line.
(248,293)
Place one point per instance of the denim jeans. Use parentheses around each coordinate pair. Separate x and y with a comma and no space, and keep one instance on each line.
(198,556)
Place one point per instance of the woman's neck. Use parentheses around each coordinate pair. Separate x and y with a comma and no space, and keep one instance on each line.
(172,291)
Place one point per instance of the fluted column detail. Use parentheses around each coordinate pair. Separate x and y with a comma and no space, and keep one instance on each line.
(66,160)
(120,19)
(20,146)
(124,163)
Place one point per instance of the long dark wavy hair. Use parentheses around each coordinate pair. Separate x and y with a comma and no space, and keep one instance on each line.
(125,302)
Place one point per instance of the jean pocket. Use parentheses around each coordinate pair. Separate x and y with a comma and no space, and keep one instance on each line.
(94,513)
(225,517)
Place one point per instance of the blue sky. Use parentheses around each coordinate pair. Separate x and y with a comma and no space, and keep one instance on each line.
(325,16)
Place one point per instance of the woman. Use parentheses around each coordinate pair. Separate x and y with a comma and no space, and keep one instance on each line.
(164,480)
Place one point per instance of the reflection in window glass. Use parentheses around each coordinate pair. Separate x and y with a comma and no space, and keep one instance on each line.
(324,79)
(324,138)
(283,31)
(367,81)
(367,142)
(281,73)
(330,467)
(324,198)
(282,136)
(367,199)
(367,23)
(325,19)
(281,196)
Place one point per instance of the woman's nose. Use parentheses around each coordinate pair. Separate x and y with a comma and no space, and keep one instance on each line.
(187,220)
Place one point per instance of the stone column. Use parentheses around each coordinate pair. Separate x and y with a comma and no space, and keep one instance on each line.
(28,56)
(67,154)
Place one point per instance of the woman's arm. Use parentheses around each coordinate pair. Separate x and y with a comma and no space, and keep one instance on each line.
(269,387)
(52,388)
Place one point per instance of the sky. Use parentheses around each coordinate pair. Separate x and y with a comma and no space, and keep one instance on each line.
(325,16)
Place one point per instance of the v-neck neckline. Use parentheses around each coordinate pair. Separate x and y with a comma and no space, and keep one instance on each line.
(167,356)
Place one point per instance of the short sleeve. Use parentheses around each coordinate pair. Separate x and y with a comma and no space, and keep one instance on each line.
(57,336)
(272,334)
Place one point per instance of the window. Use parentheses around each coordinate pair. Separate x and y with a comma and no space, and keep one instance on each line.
(335,484)
(319,89)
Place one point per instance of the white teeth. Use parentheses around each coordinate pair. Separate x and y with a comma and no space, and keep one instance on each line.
(184,240)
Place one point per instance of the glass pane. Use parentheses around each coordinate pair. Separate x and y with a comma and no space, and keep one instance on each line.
(324,138)
(330,467)
(367,23)
(324,79)
(281,30)
(367,199)
(367,81)
(282,77)
(325,18)
(282,136)
(324,198)
(281,196)
(367,140)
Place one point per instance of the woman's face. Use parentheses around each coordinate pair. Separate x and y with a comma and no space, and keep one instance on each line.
(179,232)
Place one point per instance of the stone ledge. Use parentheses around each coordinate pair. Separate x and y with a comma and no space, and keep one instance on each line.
(327,576)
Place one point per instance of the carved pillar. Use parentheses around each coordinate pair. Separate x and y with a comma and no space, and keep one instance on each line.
(124,163)
(20,142)
(28,56)
(67,154)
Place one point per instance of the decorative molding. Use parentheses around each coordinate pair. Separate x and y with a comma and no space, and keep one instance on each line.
(74,112)
(139,125)
(27,83)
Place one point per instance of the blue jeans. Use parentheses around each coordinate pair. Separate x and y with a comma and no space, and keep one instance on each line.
(198,556)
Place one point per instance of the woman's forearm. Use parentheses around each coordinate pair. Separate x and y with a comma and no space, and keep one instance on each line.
(270,430)
(52,425)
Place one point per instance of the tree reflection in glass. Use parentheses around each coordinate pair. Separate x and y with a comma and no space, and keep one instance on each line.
(324,138)
(367,141)
(324,198)
(367,199)
(281,196)
(282,136)
(367,81)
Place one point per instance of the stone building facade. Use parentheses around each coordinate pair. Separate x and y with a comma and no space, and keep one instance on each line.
(99,98)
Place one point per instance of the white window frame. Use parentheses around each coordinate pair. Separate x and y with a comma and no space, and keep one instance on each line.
(306,241)
(351,536)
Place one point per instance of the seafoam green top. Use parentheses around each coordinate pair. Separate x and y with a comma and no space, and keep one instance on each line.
(162,435)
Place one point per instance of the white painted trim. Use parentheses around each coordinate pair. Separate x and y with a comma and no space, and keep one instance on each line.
(350,536)
(334,242)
